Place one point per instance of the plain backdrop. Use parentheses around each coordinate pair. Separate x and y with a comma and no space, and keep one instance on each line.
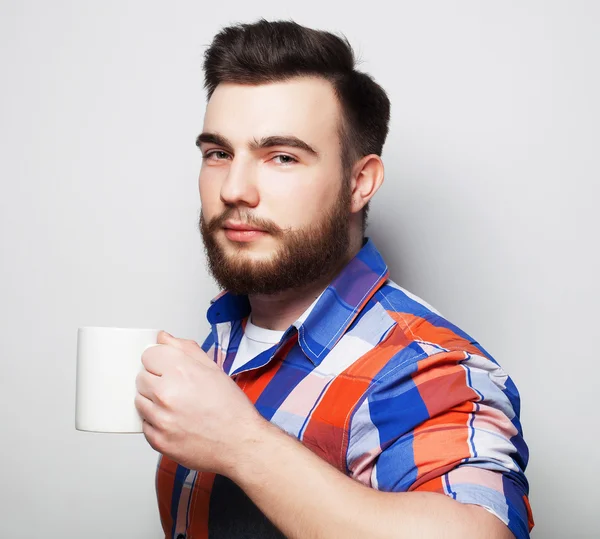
(488,212)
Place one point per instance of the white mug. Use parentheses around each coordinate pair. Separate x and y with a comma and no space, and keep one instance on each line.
(108,362)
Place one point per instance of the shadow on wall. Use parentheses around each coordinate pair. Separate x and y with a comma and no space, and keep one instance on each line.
(444,245)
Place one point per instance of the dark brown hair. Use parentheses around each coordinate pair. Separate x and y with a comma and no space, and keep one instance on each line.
(265,51)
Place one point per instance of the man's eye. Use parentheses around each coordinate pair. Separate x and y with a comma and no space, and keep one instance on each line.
(216,155)
(285,159)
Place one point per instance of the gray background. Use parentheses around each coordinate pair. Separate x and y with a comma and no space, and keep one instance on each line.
(489,212)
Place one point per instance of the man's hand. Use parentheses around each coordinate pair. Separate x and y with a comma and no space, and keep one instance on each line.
(192,411)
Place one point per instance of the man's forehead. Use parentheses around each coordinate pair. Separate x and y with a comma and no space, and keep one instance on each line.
(297,88)
(306,107)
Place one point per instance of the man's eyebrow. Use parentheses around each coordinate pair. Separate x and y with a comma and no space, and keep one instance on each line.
(265,142)
(279,140)
(213,138)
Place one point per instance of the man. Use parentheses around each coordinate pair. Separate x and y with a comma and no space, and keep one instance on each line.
(327,401)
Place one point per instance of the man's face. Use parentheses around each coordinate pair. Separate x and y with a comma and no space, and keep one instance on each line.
(275,202)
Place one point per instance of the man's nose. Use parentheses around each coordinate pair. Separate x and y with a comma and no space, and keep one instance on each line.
(239,187)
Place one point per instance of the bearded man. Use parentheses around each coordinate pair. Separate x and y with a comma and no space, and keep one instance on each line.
(327,401)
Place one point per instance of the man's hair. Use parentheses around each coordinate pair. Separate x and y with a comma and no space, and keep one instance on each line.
(264,52)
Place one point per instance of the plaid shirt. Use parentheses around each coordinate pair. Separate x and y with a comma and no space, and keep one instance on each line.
(382,387)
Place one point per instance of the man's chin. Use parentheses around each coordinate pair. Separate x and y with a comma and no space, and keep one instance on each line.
(259,251)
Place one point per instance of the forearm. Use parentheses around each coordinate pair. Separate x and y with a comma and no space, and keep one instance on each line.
(305,497)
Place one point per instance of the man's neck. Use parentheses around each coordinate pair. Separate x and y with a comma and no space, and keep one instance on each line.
(279,311)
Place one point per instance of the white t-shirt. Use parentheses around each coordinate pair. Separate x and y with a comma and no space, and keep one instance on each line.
(254,341)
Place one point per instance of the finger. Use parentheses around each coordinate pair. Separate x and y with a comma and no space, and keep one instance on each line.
(145,383)
(164,337)
(145,407)
(152,435)
(187,346)
(156,359)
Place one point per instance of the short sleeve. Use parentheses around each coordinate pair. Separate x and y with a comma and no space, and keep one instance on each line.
(447,423)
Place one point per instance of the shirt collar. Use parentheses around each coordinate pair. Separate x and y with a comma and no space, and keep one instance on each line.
(334,311)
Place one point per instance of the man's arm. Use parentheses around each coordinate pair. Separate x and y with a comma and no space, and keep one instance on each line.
(305,497)
(197,416)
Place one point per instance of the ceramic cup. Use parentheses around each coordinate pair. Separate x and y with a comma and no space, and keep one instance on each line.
(108,361)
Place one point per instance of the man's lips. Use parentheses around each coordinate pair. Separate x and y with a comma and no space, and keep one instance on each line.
(242,227)
(241,232)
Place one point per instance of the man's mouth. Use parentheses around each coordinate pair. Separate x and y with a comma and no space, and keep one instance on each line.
(242,232)
(230,225)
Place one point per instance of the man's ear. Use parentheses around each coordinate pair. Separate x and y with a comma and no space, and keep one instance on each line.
(367,178)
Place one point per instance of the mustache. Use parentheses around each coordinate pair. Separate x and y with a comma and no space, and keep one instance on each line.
(243,217)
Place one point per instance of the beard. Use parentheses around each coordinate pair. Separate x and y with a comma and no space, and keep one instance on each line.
(304,256)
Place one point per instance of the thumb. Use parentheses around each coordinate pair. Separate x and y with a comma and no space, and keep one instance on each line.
(189,347)
(165,338)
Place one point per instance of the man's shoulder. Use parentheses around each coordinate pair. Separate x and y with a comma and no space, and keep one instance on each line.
(396,299)
(424,328)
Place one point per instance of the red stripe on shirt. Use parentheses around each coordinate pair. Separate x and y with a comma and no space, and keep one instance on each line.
(327,431)
(442,442)
(165,481)
(200,505)
(421,330)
